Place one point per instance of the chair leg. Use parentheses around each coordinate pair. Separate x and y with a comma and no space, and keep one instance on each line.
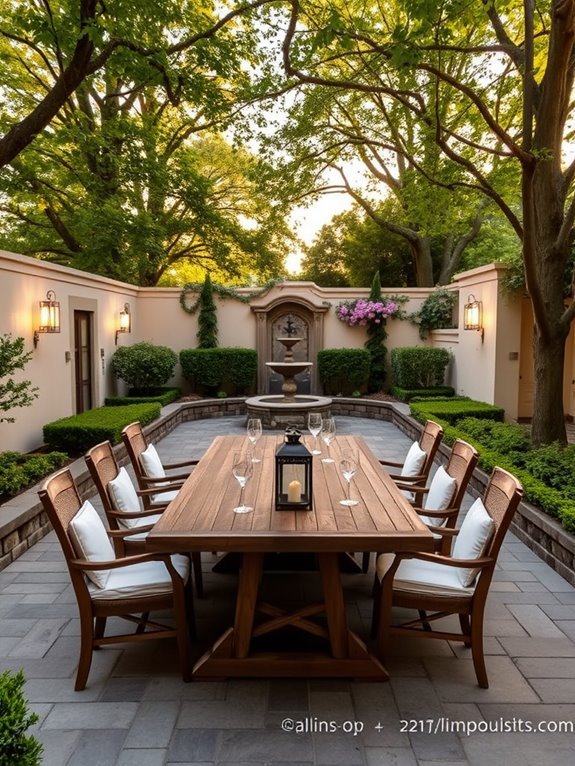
(198,578)
(423,619)
(86,648)
(142,623)
(465,628)
(100,628)
(477,650)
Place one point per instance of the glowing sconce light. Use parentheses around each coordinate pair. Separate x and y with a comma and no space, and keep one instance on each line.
(473,315)
(49,316)
(125,323)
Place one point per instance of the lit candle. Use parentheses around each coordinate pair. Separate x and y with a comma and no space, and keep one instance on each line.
(294,492)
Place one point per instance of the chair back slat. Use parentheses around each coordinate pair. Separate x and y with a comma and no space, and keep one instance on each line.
(462,462)
(501,498)
(429,442)
(103,467)
(61,502)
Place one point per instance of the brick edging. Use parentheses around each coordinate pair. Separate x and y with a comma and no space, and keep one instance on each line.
(23,521)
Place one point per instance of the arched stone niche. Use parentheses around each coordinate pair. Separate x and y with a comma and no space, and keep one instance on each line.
(307,318)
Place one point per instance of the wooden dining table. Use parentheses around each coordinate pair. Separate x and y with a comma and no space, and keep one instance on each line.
(201,518)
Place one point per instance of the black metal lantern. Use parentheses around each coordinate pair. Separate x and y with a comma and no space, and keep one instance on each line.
(293,490)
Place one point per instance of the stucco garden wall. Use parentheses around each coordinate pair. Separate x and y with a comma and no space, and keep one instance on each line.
(487,371)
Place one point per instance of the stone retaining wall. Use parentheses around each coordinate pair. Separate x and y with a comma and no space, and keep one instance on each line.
(23,521)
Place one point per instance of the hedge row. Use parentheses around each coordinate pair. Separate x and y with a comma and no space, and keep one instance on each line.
(536,491)
(407,394)
(343,370)
(215,369)
(78,433)
(452,410)
(162,396)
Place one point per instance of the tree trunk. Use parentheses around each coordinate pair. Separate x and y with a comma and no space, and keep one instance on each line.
(548,422)
(421,249)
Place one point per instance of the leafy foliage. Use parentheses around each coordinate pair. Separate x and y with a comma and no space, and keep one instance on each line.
(436,311)
(419,366)
(144,366)
(18,471)
(77,433)
(341,370)
(16,747)
(453,410)
(208,318)
(231,369)
(12,393)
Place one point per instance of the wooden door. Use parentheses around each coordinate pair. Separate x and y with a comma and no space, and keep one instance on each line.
(83,355)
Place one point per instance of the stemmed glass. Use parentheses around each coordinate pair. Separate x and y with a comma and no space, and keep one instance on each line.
(328,435)
(242,470)
(314,424)
(348,465)
(254,431)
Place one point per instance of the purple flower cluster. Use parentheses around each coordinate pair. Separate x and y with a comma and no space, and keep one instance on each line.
(362,312)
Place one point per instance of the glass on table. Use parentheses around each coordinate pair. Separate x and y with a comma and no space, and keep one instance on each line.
(314,423)
(242,469)
(328,435)
(348,465)
(254,431)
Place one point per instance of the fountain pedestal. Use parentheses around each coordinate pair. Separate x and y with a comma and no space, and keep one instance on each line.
(289,409)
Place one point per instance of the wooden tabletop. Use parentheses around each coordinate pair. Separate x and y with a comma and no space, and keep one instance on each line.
(201,517)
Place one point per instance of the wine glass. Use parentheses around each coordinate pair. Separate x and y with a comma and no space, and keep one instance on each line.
(242,469)
(254,431)
(348,465)
(314,423)
(328,435)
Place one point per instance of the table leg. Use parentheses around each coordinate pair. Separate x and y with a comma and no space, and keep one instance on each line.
(248,586)
(334,604)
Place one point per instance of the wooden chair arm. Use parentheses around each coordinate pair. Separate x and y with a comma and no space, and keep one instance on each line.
(117,563)
(165,482)
(132,514)
(125,533)
(391,462)
(437,558)
(448,513)
(192,461)
(412,479)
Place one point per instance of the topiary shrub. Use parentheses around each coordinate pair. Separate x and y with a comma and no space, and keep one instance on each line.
(78,433)
(209,370)
(453,410)
(207,334)
(161,395)
(407,394)
(144,366)
(16,747)
(419,366)
(341,370)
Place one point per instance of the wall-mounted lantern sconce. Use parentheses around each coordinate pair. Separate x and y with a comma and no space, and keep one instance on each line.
(49,316)
(473,315)
(125,322)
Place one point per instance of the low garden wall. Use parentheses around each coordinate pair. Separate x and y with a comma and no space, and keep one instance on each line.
(23,521)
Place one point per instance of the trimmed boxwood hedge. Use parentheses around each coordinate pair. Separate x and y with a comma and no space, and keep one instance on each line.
(343,370)
(161,395)
(210,370)
(549,500)
(452,410)
(419,366)
(407,394)
(78,433)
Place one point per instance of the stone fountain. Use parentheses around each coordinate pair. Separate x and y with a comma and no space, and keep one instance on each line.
(288,409)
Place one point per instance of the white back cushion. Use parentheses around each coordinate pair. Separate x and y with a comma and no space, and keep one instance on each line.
(473,538)
(123,496)
(414,461)
(91,541)
(151,463)
(441,491)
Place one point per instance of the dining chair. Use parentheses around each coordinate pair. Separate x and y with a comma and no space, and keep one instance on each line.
(149,470)
(129,587)
(121,502)
(415,469)
(438,586)
(444,495)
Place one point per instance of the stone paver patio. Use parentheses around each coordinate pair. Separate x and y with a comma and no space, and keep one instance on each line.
(136,710)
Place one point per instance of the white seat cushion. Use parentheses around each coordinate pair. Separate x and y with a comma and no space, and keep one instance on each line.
(124,498)
(423,577)
(91,541)
(165,497)
(440,495)
(151,463)
(150,578)
(473,538)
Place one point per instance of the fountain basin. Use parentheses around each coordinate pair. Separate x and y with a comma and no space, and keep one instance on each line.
(277,412)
